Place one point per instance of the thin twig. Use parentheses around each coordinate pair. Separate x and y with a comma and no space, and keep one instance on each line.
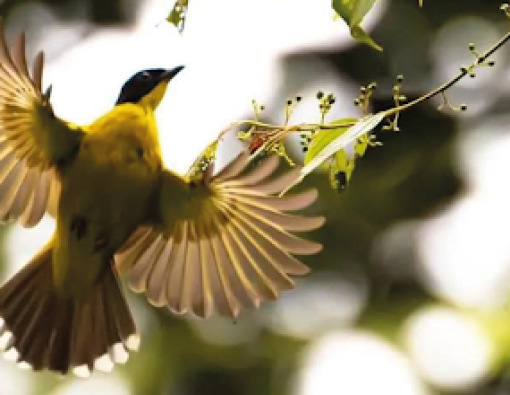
(304,127)
(453,81)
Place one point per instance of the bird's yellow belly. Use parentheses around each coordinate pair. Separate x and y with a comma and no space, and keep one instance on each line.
(106,194)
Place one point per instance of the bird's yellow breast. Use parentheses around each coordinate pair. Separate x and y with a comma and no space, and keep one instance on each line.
(107,192)
(125,135)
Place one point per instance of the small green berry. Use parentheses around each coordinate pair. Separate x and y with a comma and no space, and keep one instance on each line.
(463,107)
(320,95)
(298,98)
(471,46)
(400,78)
(289,102)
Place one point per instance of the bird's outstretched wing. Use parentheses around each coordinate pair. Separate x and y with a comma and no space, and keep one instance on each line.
(33,141)
(223,243)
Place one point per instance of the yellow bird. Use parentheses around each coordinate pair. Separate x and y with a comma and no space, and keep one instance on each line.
(216,244)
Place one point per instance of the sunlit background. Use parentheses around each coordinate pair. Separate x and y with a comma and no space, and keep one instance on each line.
(410,296)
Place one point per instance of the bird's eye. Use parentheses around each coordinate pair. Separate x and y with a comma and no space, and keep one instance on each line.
(145,76)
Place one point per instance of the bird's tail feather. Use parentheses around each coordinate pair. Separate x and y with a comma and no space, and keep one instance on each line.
(41,330)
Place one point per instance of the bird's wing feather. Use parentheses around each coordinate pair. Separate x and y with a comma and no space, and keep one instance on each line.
(222,244)
(33,141)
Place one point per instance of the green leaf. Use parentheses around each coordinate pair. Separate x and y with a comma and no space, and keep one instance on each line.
(326,136)
(353,133)
(353,12)
(344,122)
(359,34)
(361,128)
(178,15)
(341,166)
(361,145)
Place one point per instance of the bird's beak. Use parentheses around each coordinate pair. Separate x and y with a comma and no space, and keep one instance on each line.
(171,73)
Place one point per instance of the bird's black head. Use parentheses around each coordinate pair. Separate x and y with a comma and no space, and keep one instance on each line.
(144,83)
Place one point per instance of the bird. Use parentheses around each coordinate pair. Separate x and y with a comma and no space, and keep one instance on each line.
(214,243)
